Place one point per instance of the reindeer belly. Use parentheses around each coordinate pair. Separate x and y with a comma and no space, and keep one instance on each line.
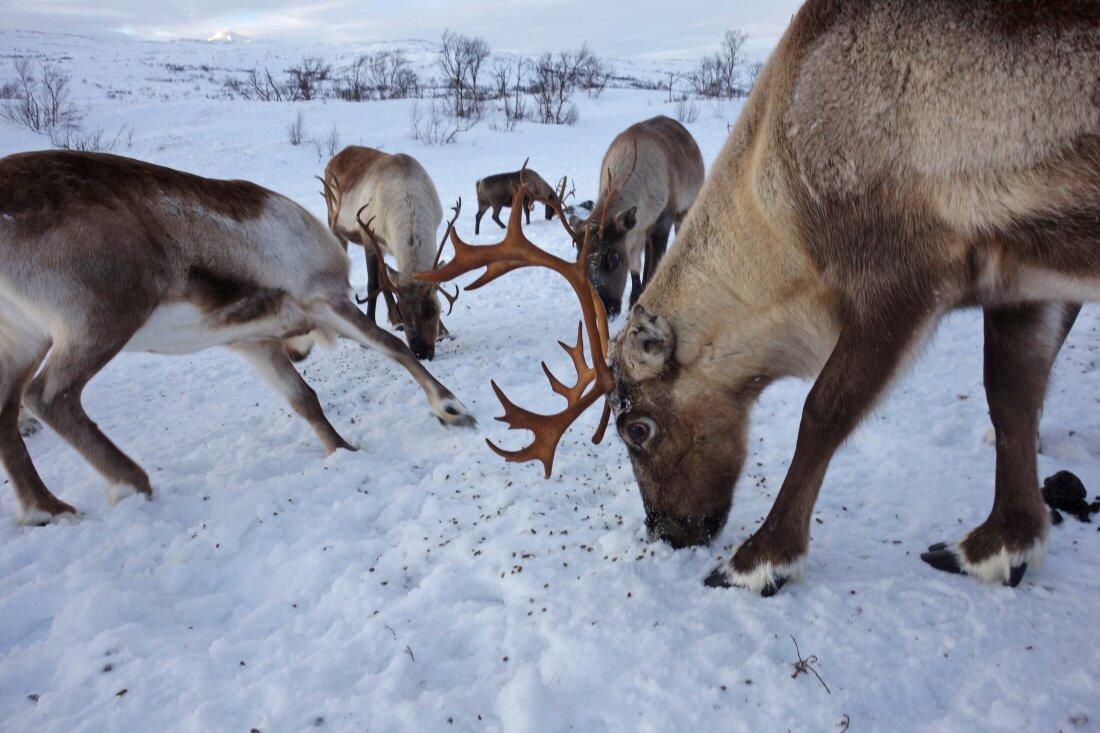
(184,328)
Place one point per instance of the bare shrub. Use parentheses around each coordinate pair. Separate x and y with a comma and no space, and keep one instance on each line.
(509,78)
(461,59)
(40,100)
(557,77)
(687,111)
(718,75)
(379,75)
(257,85)
(753,70)
(7,90)
(593,73)
(305,79)
(331,141)
(434,123)
(296,130)
(72,137)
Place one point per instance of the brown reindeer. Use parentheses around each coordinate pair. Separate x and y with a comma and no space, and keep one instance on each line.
(655,170)
(101,254)
(895,161)
(397,195)
(496,192)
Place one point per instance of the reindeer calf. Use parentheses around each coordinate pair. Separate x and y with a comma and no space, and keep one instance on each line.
(496,192)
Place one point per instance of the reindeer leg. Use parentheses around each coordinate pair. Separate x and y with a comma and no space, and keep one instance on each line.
(36,504)
(868,353)
(28,424)
(54,395)
(655,246)
(351,323)
(269,361)
(481,209)
(372,283)
(1021,343)
(496,215)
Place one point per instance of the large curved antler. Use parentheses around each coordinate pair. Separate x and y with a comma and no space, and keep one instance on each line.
(593,382)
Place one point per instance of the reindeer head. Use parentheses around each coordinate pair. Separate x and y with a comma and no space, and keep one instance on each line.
(687,447)
(607,262)
(687,441)
(416,302)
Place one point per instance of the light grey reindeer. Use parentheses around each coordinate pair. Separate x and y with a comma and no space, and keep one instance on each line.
(101,254)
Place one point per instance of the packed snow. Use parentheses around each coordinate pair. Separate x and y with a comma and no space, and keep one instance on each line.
(423,584)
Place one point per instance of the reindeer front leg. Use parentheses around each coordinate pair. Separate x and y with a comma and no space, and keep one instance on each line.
(868,353)
(1021,343)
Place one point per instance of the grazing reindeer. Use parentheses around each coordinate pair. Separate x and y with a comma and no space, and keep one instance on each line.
(894,162)
(101,254)
(649,179)
(396,193)
(496,192)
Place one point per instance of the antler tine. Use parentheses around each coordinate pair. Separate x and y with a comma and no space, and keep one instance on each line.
(457,209)
(593,382)
(385,282)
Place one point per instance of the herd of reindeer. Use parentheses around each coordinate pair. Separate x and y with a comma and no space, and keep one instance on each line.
(894,162)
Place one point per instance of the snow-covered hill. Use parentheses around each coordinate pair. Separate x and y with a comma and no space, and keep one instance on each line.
(422,584)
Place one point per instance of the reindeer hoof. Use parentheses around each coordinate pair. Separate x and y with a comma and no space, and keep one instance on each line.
(722,577)
(41,516)
(1007,567)
(455,415)
(29,426)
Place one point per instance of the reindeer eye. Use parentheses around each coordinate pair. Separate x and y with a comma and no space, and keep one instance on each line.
(611,261)
(638,432)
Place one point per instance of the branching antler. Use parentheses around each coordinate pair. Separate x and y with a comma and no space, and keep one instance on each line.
(593,382)
(385,272)
(457,208)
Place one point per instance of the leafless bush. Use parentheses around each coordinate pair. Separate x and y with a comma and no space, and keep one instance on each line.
(380,75)
(593,73)
(72,137)
(435,123)
(331,141)
(40,99)
(258,85)
(753,71)
(461,59)
(296,130)
(305,79)
(557,77)
(718,75)
(509,78)
(7,90)
(687,111)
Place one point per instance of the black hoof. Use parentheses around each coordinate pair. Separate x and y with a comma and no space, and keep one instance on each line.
(717,579)
(1016,574)
(774,586)
(941,558)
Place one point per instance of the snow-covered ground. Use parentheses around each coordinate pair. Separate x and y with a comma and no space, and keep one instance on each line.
(423,584)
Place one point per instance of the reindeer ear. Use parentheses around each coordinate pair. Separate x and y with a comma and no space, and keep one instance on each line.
(628,219)
(646,344)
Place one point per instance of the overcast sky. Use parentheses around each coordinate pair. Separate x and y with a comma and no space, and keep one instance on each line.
(639,28)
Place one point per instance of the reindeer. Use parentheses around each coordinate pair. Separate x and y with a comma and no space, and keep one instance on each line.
(655,170)
(101,254)
(496,192)
(396,193)
(895,161)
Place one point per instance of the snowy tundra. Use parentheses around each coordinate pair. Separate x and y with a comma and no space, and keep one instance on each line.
(422,584)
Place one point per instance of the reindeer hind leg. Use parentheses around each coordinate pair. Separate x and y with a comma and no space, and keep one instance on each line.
(54,395)
(351,323)
(273,365)
(37,505)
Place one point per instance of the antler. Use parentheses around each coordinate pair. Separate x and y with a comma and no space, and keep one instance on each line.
(593,382)
(385,281)
(457,208)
